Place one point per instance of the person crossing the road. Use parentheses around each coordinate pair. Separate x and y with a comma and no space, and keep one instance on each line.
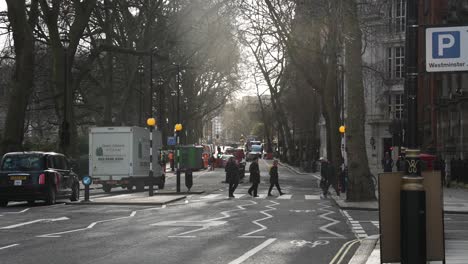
(274,178)
(254,177)
(232,175)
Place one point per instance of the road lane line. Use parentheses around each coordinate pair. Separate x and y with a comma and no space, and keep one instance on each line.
(253,251)
(58,234)
(35,221)
(332,221)
(346,251)
(10,246)
(20,212)
(262,227)
(285,197)
(345,245)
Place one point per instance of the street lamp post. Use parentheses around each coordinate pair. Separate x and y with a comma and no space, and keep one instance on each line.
(65,135)
(412,200)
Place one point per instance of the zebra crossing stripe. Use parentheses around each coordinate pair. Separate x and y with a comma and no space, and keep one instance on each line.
(312,197)
(242,194)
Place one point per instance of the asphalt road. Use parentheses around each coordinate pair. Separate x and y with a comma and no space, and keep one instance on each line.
(208,228)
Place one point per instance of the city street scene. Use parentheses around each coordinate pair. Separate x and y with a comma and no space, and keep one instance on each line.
(234,131)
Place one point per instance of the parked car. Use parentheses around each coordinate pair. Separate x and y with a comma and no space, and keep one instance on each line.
(30,176)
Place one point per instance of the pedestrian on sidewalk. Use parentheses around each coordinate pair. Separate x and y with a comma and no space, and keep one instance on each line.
(324,181)
(254,177)
(232,174)
(274,178)
(213,162)
(171,160)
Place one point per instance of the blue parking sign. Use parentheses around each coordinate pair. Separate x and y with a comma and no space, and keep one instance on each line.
(446,49)
(446,45)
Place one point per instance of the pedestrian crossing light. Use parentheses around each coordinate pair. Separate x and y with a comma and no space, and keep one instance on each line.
(342,129)
(151,122)
(178,127)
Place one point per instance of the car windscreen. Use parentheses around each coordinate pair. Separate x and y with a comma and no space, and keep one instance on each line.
(256,148)
(22,163)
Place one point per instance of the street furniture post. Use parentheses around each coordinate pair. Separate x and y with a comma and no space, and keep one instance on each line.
(151,122)
(178,128)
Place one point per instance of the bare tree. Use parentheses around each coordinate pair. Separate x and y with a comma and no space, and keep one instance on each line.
(23,20)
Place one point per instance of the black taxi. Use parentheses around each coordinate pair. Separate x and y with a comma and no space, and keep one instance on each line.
(30,176)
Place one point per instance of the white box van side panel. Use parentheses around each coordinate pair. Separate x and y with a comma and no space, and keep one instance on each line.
(110,154)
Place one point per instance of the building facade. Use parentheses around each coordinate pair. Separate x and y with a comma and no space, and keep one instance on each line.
(383,72)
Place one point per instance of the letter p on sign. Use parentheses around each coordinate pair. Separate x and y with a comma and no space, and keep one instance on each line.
(446,45)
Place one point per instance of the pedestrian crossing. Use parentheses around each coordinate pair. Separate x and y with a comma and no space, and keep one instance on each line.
(456,251)
(261,196)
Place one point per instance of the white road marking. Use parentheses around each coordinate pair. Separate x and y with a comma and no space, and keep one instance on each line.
(253,251)
(312,197)
(35,221)
(58,234)
(205,224)
(9,246)
(238,196)
(20,212)
(202,224)
(333,221)
(261,196)
(285,197)
(262,227)
(211,196)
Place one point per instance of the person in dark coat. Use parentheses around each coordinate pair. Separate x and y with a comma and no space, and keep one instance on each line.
(254,177)
(324,182)
(387,163)
(400,164)
(274,181)
(232,173)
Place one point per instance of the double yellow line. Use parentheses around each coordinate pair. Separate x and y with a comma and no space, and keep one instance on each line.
(343,251)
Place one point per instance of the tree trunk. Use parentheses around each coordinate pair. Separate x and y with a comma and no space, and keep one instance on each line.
(360,187)
(24,73)
(330,96)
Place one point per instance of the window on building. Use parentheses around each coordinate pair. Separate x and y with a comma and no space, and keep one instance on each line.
(397,15)
(395,106)
(395,62)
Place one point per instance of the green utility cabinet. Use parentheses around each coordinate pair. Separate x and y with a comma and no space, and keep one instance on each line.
(191,157)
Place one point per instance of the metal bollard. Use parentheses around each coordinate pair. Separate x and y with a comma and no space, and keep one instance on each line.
(188,179)
(413,221)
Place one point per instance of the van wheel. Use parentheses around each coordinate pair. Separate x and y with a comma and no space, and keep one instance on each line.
(107,188)
(130,187)
(31,202)
(51,196)
(75,196)
(3,203)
